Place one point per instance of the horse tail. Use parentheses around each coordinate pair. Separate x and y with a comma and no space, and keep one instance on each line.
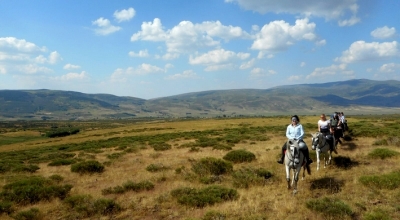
(308,169)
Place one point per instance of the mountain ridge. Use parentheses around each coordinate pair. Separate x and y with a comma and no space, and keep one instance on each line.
(351,95)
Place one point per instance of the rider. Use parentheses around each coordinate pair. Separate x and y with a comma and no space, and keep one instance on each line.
(324,127)
(295,131)
(336,128)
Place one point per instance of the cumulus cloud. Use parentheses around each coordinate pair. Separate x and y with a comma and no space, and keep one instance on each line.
(124,15)
(279,35)
(260,72)
(74,76)
(3,70)
(217,57)
(384,32)
(294,78)
(302,64)
(104,27)
(121,75)
(332,10)
(69,66)
(322,72)
(19,56)
(390,68)
(363,51)
(187,74)
(141,53)
(247,64)
(186,36)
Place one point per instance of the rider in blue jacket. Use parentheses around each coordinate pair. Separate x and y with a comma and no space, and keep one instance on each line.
(295,131)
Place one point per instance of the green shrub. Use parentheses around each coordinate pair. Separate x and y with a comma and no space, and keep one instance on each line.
(330,207)
(115,156)
(90,166)
(211,166)
(161,146)
(62,162)
(213,215)
(6,207)
(30,168)
(240,156)
(377,214)
(57,178)
(380,142)
(203,197)
(156,167)
(33,189)
(382,153)
(31,214)
(129,186)
(86,206)
(246,177)
(385,181)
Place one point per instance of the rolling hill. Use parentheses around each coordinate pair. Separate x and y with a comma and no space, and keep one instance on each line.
(358,96)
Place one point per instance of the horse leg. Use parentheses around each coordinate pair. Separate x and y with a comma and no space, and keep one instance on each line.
(287,176)
(318,160)
(295,179)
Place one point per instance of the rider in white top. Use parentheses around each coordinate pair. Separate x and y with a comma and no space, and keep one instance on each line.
(324,126)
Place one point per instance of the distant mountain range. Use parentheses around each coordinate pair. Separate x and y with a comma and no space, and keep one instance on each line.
(358,96)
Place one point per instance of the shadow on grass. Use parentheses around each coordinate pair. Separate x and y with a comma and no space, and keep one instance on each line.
(344,162)
(330,184)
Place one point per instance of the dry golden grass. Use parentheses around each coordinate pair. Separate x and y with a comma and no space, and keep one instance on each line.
(270,201)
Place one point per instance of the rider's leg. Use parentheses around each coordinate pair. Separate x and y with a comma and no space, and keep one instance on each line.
(305,151)
(283,154)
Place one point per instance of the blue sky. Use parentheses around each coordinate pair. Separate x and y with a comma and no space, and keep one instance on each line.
(157,48)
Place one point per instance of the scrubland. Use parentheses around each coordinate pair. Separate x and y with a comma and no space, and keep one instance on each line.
(194,169)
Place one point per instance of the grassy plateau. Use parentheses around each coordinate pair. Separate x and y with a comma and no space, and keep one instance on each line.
(199,169)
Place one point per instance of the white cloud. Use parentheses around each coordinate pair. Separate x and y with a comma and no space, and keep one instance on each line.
(217,67)
(54,57)
(104,27)
(217,57)
(3,70)
(384,32)
(71,66)
(338,9)
(279,35)
(11,44)
(302,64)
(362,51)
(188,37)
(170,56)
(121,75)
(187,74)
(322,72)
(141,53)
(74,76)
(32,69)
(247,64)
(294,78)
(260,72)
(390,68)
(124,15)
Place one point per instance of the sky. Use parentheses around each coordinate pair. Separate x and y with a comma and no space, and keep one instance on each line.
(158,48)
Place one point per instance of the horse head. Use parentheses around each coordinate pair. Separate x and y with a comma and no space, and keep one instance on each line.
(293,146)
(316,139)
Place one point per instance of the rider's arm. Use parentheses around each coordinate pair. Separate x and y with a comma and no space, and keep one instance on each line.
(288,132)
(301,132)
(319,127)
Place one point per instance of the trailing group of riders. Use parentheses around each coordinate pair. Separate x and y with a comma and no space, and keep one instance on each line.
(333,129)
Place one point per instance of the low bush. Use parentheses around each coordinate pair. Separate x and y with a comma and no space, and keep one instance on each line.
(203,197)
(90,166)
(382,153)
(377,214)
(239,156)
(213,215)
(211,166)
(6,207)
(385,181)
(115,156)
(129,186)
(62,162)
(85,206)
(330,208)
(246,177)
(161,146)
(33,189)
(31,214)
(156,167)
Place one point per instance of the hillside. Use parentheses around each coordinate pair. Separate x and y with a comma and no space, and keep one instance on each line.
(353,96)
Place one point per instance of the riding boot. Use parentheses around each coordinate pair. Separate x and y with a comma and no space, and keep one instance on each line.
(307,156)
(283,154)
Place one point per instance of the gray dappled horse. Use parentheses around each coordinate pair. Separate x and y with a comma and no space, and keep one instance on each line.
(294,160)
(321,146)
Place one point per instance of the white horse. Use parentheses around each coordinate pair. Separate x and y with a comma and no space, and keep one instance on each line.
(294,160)
(321,146)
